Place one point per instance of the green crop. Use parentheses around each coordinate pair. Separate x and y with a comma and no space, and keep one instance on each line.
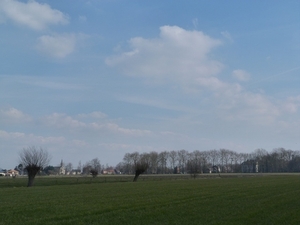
(232,200)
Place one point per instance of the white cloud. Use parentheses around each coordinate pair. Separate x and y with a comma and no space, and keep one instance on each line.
(95,115)
(21,140)
(241,75)
(32,14)
(63,121)
(292,104)
(177,55)
(12,115)
(183,57)
(122,147)
(58,45)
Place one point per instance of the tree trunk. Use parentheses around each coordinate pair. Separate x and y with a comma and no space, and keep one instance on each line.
(30,180)
(136,176)
(32,172)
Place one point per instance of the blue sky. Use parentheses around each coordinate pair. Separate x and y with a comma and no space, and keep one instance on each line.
(86,79)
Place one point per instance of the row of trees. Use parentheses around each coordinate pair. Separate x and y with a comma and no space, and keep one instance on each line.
(34,160)
(222,160)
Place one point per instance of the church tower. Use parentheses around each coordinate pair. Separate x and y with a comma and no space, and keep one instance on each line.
(62,170)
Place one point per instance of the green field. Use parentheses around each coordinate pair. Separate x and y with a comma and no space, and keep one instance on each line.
(273,199)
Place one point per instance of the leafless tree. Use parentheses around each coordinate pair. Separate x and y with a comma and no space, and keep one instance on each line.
(172,159)
(94,172)
(69,167)
(127,163)
(95,167)
(86,168)
(33,160)
(162,161)
(153,162)
(194,163)
(182,159)
(140,166)
(214,157)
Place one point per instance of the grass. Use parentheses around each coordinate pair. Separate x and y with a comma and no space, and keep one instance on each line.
(231,200)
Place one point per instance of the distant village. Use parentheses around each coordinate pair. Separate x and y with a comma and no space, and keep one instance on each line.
(279,160)
(56,170)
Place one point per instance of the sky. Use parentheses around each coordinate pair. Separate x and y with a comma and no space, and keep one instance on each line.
(101,78)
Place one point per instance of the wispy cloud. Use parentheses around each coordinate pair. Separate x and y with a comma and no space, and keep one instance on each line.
(195,23)
(66,122)
(227,35)
(57,45)
(275,75)
(241,75)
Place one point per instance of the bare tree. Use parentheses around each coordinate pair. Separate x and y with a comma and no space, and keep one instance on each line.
(194,165)
(95,167)
(214,157)
(140,166)
(94,172)
(69,168)
(153,157)
(162,161)
(33,160)
(182,159)
(172,159)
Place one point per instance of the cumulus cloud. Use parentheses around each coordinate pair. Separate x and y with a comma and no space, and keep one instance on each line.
(58,45)
(178,55)
(32,14)
(241,75)
(184,57)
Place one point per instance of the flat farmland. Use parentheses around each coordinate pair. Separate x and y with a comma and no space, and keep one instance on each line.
(235,199)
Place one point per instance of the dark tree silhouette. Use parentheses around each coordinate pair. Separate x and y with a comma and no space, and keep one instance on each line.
(94,172)
(33,161)
(140,167)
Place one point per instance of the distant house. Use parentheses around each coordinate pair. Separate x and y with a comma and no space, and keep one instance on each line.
(2,172)
(249,166)
(109,171)
(207,170)
(215,169)
(12,173)
(75,172)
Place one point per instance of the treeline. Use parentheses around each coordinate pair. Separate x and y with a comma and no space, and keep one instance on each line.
(222,160)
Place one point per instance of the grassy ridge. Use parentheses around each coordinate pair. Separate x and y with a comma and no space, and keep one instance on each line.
(251,200)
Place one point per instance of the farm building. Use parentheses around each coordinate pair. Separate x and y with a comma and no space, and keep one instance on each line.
(249,166)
